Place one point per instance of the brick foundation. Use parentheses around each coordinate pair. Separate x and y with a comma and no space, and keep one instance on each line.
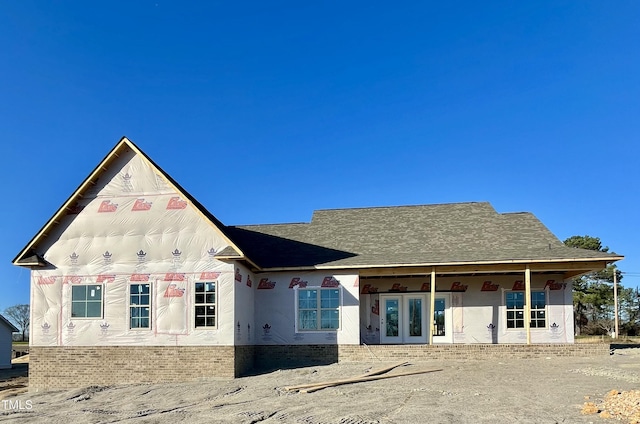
(269,357)
(244,360)
(69,367)
(356,353)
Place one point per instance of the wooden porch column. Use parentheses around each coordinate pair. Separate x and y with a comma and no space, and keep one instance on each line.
(432,303)
(527,303)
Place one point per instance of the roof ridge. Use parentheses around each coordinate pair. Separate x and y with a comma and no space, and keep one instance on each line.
(403,206)
(262,225)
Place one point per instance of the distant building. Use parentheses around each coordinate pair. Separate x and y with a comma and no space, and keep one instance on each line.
(6,331)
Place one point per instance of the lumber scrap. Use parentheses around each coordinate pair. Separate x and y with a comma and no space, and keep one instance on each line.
(372,373)
(362,379)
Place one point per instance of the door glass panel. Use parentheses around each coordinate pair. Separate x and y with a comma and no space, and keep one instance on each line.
(415,317)
(391,312)
(438,318)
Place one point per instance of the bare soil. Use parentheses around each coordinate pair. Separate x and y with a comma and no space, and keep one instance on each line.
(551,390)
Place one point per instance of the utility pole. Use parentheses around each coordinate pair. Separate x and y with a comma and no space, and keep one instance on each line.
(615,300)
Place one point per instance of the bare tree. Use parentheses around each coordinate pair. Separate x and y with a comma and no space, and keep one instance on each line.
(19,314)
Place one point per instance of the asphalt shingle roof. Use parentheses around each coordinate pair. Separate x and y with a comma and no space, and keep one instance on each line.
(404,235)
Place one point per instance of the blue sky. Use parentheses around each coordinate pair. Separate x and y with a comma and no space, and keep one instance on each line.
(265,111)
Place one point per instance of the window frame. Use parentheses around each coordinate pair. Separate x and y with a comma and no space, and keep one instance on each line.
(318,309)
(131,305)
(216,311)
(87,301)
(544,309)
(532,310)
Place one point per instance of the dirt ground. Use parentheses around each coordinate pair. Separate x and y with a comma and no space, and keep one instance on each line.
(551,390)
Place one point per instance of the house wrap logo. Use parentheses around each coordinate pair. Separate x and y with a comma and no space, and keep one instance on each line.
(459,287)
(555,286)
(46,280)
(142,256)
(72,279)
(74,258)
(174,291)
(107,206)
(106,257)
(489,286)
(368,289)
(297,281)
(265,284)
(237,276)
(397,287)
(106,278)
(209,275)
(141,205)
(139,278)
(174,276)
(126,182)
(330,282)
(176,203)
(518,285)
(176,256)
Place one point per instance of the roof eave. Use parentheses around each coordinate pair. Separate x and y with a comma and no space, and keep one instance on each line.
(8,323)
(436,264)
(231,258)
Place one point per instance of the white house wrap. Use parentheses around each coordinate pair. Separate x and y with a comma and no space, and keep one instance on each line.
(132,260)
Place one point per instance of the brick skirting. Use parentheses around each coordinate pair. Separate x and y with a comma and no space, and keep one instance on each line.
(69,367)
(357,353)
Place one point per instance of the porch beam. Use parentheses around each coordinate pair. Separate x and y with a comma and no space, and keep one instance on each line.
(575,274)
(432,304)
(527,303)
(583,267)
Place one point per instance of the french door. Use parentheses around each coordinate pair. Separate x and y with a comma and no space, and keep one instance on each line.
(404,318)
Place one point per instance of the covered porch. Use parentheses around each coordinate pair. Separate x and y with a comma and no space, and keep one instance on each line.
(503,303)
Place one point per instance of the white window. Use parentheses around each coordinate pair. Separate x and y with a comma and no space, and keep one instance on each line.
(515,309)
(318,309)
(205,304)
(86,301)
(139,305)
(538,309)
(438,317)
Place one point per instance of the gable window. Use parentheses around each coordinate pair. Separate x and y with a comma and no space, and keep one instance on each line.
(86,301)
(205,304)
(515,309)
(139,305)
(318,309)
